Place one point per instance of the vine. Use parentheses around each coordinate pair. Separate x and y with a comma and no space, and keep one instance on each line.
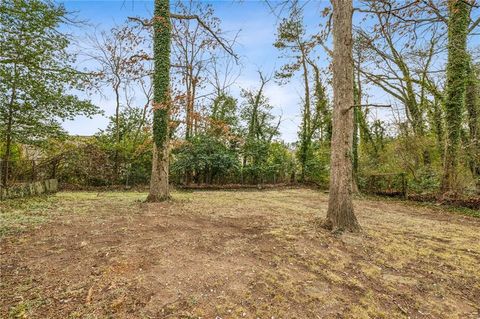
(457,67)
(161,77)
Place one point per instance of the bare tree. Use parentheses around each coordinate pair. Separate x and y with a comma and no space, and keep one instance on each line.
(192,51)
(222,74)
(442,99)
(118,58)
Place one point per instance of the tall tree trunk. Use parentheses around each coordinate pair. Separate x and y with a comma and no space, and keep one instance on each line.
(159,188)
(9,133)
(340,215)
(306,125)
(188,129)
(189,103)
(190,118)
(117,130)
(472,103)
(357,100)
(457,66)
(438,125)
(8,148)
(356,138)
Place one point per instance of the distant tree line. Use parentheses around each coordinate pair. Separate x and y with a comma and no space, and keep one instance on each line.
(176,117)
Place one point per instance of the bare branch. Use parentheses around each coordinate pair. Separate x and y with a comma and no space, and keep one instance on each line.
(220,41)
(387,11)
(225,46)
(474,25)
(143,22)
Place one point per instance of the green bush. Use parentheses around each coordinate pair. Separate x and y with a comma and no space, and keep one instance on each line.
(206,159)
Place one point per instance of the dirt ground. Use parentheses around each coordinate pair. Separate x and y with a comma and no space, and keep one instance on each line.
(234,254)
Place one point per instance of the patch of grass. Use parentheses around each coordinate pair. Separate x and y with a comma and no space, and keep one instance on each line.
(435,206)
(464,211)
(368,307)
(127,196)
(446,208)
(24,309)
(27,203)
(95,196)
(19,214)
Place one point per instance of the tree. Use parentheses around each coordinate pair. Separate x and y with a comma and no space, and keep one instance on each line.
(340,214)
(222,74)
(292,42)
(223,115)
(208,157)
(36,73)
(192,52)
(457,67)
(162,102)
(159,188)
(120,63)
(472,103)
(412,22)
(133,153)
(256,113)
(401,65)
(193,49)
(259,130)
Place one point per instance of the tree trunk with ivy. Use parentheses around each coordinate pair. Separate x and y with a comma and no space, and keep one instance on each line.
(305,136)
(340,215)
(159,187)
(472,103)
(457,67)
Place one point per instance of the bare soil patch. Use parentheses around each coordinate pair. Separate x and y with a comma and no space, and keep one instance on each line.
(235,254)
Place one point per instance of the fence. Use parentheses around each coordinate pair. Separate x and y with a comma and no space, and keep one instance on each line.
(26,171)
(394,184)
(236,176)
(29,189)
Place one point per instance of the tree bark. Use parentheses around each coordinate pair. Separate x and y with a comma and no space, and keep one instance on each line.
(159,187)
(8,148)
(9,133)
(340,214)
(472,103)
(117,130)
(457,66)
(189,103)
(357,101)
(306,125)
(159,182)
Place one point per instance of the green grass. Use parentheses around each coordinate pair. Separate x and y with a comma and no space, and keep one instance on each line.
(19,214)
(437,207)
(464,211)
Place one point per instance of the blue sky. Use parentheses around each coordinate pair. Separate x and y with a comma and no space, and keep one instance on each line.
(255,47)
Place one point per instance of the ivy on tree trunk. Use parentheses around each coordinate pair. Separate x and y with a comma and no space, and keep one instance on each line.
(472,103)
(457,67)
(159,188)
